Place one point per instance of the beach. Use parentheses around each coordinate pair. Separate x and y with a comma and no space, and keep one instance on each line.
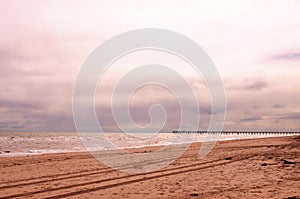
(250,168)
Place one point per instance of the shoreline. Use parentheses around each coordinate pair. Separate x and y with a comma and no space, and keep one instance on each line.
(59,144)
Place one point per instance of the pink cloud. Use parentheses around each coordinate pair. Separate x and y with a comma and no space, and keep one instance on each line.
(43,44)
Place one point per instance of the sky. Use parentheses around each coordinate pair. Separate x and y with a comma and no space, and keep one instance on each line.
(254,45)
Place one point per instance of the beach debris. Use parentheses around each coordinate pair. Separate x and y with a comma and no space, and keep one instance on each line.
(287,162)
(17,164)
(292,197)
(297,138)
(194,194)
(264,164)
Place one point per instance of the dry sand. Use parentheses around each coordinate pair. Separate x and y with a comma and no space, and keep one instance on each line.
(257,168)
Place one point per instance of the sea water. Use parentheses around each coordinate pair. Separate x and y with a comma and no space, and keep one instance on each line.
(20,144)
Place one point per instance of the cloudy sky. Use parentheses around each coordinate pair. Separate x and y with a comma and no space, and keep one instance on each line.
(255,46)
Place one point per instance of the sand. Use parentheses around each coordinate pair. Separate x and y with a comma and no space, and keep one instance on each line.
(256,168)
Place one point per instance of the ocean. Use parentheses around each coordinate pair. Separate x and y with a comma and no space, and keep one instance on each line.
(22,144)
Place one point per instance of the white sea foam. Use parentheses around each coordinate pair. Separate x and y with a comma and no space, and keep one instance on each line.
(21,144)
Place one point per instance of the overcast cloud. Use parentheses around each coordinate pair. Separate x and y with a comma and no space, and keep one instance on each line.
(254,44)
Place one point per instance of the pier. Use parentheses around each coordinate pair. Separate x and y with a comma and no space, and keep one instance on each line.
(283,133)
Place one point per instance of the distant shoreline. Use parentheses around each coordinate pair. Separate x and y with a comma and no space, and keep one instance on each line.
(27,144)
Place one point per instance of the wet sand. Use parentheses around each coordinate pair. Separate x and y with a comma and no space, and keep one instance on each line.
(256,168)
